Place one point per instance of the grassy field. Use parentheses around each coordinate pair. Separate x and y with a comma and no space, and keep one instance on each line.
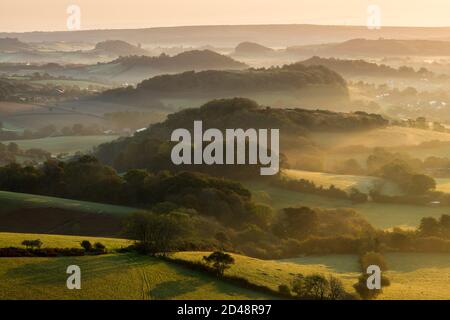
(129,276)
(115,276)
(380,215)
(58,241)
(13,200)
(391,136)
(413,276)
(112,276)
(344,181)
(69,145)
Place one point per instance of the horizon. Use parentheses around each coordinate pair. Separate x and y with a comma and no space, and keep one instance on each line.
(227,25)
(19,16)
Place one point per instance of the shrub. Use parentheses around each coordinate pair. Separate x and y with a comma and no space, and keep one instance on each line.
(32,243)
(99,247)
(86,245)
(220,261)
(373,258)
(284,289)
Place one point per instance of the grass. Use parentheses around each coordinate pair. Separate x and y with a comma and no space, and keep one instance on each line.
(344,181)
(380,215)
(391,136)
(412,275)
(116,276)
(13,200)
(130,276)
(72,144)
(112,276)
(58,241)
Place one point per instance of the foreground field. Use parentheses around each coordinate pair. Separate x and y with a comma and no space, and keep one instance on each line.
(112,276)
(124,276)
(412,276)
(130,276)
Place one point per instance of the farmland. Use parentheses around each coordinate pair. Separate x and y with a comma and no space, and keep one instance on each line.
(112,276)
(130,276)
(70,144)
(345,182)
(380,215)
(413,276)
(58,241)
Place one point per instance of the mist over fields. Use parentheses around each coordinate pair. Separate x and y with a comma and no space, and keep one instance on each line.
(86,123)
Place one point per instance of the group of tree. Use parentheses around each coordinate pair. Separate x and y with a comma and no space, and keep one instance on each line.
(11,151)
(289,77)
(307,186)
(355,68)
(315,287)
(86,178)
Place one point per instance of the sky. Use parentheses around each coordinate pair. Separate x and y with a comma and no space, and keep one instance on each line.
(50,15)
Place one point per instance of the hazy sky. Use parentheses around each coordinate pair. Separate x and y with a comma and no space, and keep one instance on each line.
(28,15)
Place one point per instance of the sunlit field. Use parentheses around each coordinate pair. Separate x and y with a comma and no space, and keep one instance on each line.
(391,136)
(58,241)
(380,215)
(346,182)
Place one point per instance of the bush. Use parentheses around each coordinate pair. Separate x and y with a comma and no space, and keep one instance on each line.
(99,247)
(32,243)
(317,287)
(86,245)
(220,261)
(284,289)
(373,258)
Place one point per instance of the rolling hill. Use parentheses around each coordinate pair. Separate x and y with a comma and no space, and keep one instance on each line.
(351,68)
(135,277)
(376,47)
(229,35)
(252,49)
(290,85)
(134,68)
(13,45)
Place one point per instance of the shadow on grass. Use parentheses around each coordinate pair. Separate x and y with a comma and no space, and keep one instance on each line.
(171,289)
(179,281)
(53,270)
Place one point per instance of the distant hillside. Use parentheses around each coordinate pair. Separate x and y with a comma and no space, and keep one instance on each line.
(119,48)
(290,85)
(364,68)
(129,68)
(228,36)
(18,52)
(13,45)
(229,113)
(379,47)
(252,49)
(137,68)
(185,61)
